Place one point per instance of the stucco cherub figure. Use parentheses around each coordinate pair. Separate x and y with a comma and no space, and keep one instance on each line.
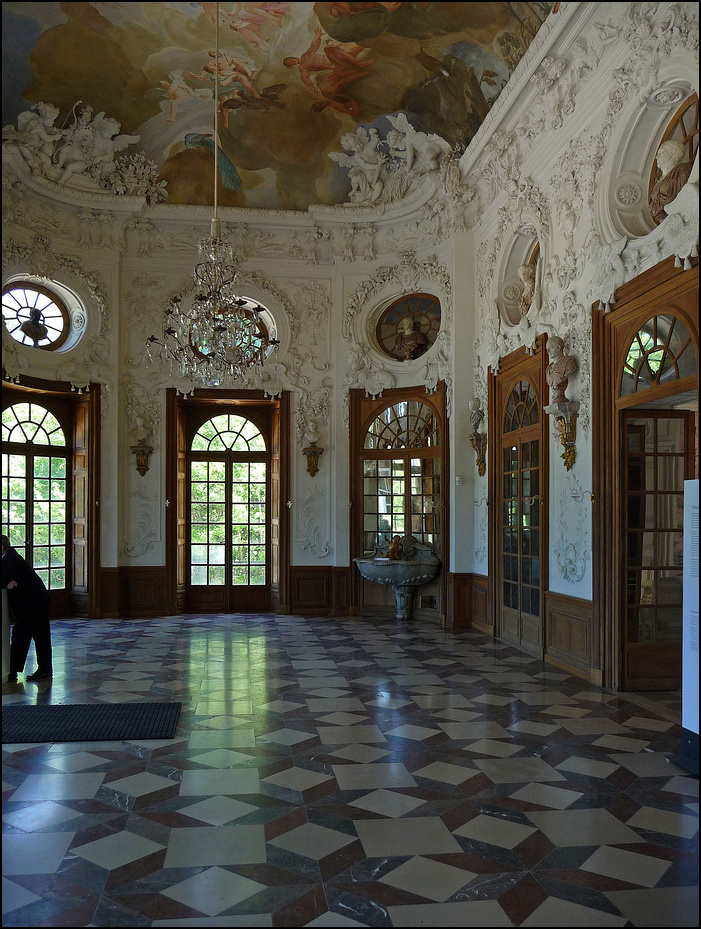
(35,136)
(365,164)
(416,150)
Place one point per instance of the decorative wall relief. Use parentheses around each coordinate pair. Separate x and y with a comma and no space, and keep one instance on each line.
(384,170)
(145,235)
(313,507)
(312,408)
(90,361)
(681,227)
(140,402)
(573,530)
(439,367)
(406,277)
(363,372)
(605,258)
(481,526)
(94,229)
(577,337)
(310,310)
(306,243)
(147,528)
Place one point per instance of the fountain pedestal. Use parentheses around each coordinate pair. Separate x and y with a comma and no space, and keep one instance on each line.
(418,565)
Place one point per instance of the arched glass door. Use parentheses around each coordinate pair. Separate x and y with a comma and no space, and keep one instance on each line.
(401,475)
(228,515)
(658,438)
(36,491)
(521,543)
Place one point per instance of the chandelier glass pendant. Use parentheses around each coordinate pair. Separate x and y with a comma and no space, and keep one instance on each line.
(221,336)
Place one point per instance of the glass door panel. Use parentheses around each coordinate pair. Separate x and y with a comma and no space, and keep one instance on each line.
(655,458)
(207,523)
(229,536)
(521,597)
(248,495)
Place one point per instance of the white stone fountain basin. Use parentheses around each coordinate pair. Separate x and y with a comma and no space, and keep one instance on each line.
(403,576)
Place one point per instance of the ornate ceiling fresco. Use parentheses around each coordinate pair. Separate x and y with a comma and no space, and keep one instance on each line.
(294,79)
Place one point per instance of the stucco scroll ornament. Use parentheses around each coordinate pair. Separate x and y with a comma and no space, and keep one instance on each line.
(577,337)
(41,260)
(139,402)
(482,520)
(573,545)
(272,379)
(681,228)
(146,504)
(492,344)
(440,368)
(605,262)
(363,372)
(312,506)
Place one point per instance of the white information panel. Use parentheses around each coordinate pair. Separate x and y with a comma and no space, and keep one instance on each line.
(690,614)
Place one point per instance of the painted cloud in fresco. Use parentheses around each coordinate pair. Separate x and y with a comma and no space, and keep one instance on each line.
(293,78)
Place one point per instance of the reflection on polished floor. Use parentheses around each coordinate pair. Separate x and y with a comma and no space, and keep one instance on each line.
(345,772)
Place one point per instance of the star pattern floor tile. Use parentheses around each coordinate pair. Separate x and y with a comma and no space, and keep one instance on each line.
(345,772)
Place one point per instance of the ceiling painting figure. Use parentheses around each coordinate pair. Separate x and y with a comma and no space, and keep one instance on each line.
(295,80)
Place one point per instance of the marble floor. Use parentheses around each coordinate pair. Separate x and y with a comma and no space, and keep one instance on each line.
(345,772)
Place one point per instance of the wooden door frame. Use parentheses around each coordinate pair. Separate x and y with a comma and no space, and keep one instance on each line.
(227,401)
(86,602)
(363,409)
(518,365)
(650,294)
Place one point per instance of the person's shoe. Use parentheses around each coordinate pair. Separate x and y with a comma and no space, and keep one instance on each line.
(40,676)
(12,678)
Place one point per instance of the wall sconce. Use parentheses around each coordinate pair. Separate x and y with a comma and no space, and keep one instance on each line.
(561,368)
(566,420)
(142,453)
(567,427)
(478,440)
(142,432)
(313,453)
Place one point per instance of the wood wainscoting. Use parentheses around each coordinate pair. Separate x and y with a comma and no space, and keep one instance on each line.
(568,634)
(467,603)
(320,589)
(143,591)
(109,593)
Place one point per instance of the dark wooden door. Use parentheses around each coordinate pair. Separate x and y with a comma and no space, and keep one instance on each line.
(657,459)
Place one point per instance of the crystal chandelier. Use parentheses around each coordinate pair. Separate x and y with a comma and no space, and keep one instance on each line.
(221,335)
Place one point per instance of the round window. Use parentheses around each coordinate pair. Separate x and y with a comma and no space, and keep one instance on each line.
(35,316)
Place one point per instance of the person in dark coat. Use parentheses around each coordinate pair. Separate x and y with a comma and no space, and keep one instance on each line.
(29,601)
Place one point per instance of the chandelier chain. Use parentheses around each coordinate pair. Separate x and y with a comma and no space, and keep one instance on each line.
(221,335)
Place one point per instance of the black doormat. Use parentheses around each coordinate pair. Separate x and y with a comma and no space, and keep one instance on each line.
(89,723)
